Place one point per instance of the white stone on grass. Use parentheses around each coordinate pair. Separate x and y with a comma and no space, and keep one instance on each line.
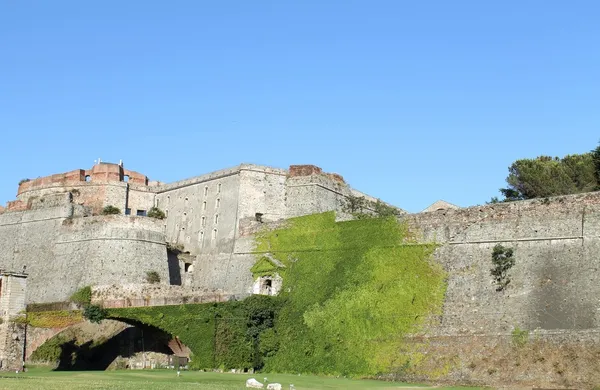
(274,386)
(254,384)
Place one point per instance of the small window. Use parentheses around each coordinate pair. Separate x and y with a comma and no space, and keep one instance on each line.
(141,213)
(201,239)
(166,212)
(126,178)
(127,211)
(216,219)
(203,222)
(218,203)
(206,191)
(204,206)
(219,188)
(214,234)
(87,178)
(258,217)
(186,267)
(186,198)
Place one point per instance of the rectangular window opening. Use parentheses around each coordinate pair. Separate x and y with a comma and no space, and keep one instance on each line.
(141,213)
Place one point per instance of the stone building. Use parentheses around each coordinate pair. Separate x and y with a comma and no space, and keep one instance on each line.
(12,331)
(56,229)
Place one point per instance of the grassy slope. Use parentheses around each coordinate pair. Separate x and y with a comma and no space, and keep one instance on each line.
(43,378)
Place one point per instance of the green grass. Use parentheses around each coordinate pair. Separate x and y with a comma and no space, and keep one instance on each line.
(44,378)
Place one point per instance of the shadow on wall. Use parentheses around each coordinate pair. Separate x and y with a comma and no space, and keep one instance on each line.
(92,355)
(174,268)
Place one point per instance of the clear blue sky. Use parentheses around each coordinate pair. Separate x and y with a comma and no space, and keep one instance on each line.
(411,101)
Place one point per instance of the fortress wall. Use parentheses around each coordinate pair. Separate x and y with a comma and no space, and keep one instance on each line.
(62,253)
(102,250)
(140,198)
(316,193)
(96,195)
(555,282)
(188,202)
(262,191)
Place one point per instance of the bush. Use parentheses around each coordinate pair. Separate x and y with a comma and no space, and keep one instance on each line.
(83,296)
(157,213)
(503,261)
(152,277)
(95,313)
(23,181)
(520,337)
(111,210)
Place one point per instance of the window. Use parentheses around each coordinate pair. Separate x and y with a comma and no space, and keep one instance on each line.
(186,267)
(204,206)
(166,212)
(201,239)
(87,178)
(216,219)
(206,191)
(127,211)
(218,203)
(141,213)
(258,217)
(203,222)
(214,234)
(219,188)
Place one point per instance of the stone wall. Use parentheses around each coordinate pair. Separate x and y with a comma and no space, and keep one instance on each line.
(63,251)
(12,333)
(554,285)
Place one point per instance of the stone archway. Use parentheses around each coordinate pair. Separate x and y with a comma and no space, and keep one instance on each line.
(112,343)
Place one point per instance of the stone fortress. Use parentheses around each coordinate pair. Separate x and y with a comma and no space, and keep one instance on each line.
(55,230)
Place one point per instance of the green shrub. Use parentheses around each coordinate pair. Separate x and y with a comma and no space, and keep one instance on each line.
(95,313)
(520,337)
(23,181)
(503,260)
(152,277)
(111,210)
(155,212)
(83,296)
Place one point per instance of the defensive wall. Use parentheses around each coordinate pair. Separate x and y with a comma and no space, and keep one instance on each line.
(552,298)
(55,228)
(62,250)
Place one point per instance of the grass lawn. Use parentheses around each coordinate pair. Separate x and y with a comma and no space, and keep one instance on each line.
(44,378)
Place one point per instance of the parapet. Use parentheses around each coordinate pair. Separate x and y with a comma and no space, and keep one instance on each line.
(102,172)
(309,170)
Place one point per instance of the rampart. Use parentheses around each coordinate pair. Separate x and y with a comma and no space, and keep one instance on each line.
(63,251)
(552,296)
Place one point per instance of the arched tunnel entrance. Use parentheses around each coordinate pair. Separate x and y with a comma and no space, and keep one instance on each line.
(112,344)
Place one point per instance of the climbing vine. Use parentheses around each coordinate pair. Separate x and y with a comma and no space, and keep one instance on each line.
(352,291)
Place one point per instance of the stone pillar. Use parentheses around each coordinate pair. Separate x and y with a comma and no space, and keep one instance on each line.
(12,315)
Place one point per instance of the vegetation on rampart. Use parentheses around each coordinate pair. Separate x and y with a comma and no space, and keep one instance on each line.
(225,335)
(54,319)
(82,297)
(157,213)
(351,292)
(111,210)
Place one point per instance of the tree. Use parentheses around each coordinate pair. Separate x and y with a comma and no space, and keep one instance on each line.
(547,176)
(596,161)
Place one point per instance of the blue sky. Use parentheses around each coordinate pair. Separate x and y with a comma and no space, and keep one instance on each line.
(411,101)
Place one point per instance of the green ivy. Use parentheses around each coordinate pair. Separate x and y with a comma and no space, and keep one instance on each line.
(83,296)
(352,291)
(225,335)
